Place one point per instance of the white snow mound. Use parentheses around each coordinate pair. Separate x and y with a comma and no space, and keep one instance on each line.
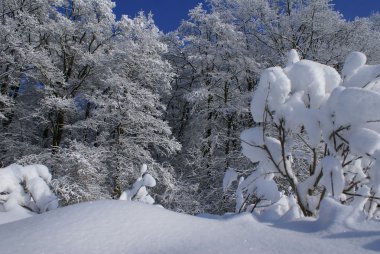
(131,227)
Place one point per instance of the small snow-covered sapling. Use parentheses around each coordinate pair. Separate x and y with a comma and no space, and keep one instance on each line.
(138,192)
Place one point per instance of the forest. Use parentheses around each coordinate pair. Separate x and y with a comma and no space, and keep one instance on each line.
(248,104)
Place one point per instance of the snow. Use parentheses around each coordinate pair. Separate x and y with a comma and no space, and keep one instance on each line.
(364,141)
(131,227)
(14,214)
(26,187)
(35,171)
(356,73)
(284,210)
(253,136)
(316,81)
(44,199)
(251,139)
(239,196)
(354,106)
(139,192)
(311,123)
(149,180)
(267,189)
(353,62)
(332,177)
(143,169)
(228,178)
(375,174)
(262,184)
(293,57)
(273,89)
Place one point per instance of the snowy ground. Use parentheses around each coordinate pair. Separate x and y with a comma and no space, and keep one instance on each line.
(128,227)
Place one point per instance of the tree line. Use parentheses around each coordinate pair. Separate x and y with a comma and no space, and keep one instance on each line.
(94,98)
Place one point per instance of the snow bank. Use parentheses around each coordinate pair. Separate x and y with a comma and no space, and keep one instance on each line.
(334,216)
(14,214)
(130,227)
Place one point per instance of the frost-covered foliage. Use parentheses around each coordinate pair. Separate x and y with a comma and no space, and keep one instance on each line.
(318,133)
(208,108)
(26,187)
(81,93)
(138,192)
(314,28)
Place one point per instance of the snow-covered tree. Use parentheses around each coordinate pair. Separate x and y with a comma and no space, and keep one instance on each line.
(214,73)
(313,27)
(82,95)
(317,132)
(129,114)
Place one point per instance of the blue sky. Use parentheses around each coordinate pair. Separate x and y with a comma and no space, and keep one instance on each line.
(357,8)
(169,13)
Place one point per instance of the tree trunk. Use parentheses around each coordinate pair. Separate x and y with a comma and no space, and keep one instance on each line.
(57,130)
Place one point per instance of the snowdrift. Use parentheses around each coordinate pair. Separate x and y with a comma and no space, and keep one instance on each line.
(129,227)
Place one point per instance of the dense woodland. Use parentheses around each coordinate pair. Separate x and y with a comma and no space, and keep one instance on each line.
(94,98)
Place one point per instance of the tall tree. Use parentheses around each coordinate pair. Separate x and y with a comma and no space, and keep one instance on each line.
(214,74)
(312,27)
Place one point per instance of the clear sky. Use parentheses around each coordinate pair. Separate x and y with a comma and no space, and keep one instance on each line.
(169,13)
(357,8)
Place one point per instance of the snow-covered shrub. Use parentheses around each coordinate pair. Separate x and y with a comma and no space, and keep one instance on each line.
(318,132)
(138,192)
(26,187)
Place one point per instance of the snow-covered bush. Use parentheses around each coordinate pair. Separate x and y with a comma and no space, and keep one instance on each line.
(138,192)
(26,187)
(318,133)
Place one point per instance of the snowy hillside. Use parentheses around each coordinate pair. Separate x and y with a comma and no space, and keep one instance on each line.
(129,227)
